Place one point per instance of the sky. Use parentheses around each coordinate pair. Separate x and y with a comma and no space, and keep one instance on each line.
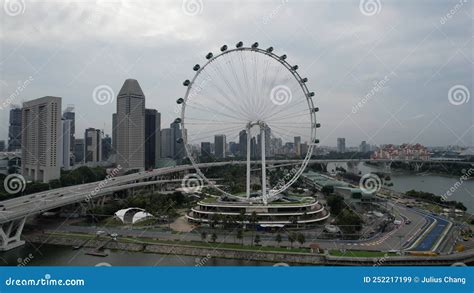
(383,71)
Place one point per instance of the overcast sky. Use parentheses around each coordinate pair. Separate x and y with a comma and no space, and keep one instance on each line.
(383,71)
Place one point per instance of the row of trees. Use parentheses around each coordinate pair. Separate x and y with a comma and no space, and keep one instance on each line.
(292,237)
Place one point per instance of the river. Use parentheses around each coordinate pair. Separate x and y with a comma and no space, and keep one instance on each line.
(434,183)
(52,255)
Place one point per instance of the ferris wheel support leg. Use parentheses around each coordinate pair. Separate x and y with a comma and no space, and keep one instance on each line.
(264,171)
(248,161)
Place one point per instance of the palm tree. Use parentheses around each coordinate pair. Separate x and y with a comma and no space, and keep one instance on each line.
(291,238)
(240,235)
(278,239)
(301,239)
(203,235)
(257,239)
(253,221)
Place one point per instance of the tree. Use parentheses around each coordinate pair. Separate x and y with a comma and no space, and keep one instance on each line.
(336,203)
(278,239)
(292,238)
(257,239)
(203,235)
(301,239)
(214,237)
(240,235)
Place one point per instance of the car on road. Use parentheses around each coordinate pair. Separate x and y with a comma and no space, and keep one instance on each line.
(408,222)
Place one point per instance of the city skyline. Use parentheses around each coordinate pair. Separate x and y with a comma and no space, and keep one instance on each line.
(374,95)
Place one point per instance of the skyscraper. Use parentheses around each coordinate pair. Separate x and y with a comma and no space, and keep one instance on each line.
(178,148)
(206,149)
(106,147)
(66,143)
(92,145)
(2,146)
(364,147)
(341,145)
(297,142)
(41,148)
(114,133)
(14,130)
(243,143)
(152,137)
(131,126)
(79,150)
(69,114)
(220,146)
(166,143)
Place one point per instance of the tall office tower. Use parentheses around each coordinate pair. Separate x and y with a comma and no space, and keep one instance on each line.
(233,148)
(92,145)
(243,143)
(341,145)
(2,146)
(166,143)
(219,146)
(297,142)
(152,138)
(106,147)
(131,126)
(304,149)
(114,133)
(14,130)
(178,148)
(66,143)
(79,150)
(364,147)
(253,148)
(41,151)
(268,135)
(69,114)
(206,149)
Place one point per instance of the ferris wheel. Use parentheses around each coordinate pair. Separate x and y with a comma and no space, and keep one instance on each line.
(255,102)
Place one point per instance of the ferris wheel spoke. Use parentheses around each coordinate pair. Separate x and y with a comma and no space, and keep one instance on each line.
(213,111)
(229,99)
(282,108)
(292,115)
(212,133)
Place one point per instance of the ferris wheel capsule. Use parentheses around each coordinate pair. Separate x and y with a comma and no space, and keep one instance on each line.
(269,49)
(209,56)
(224,48)
(283,57)
(179,101)
(255,45)
(186,82)
(196,67)
(239,45)
(177,120)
